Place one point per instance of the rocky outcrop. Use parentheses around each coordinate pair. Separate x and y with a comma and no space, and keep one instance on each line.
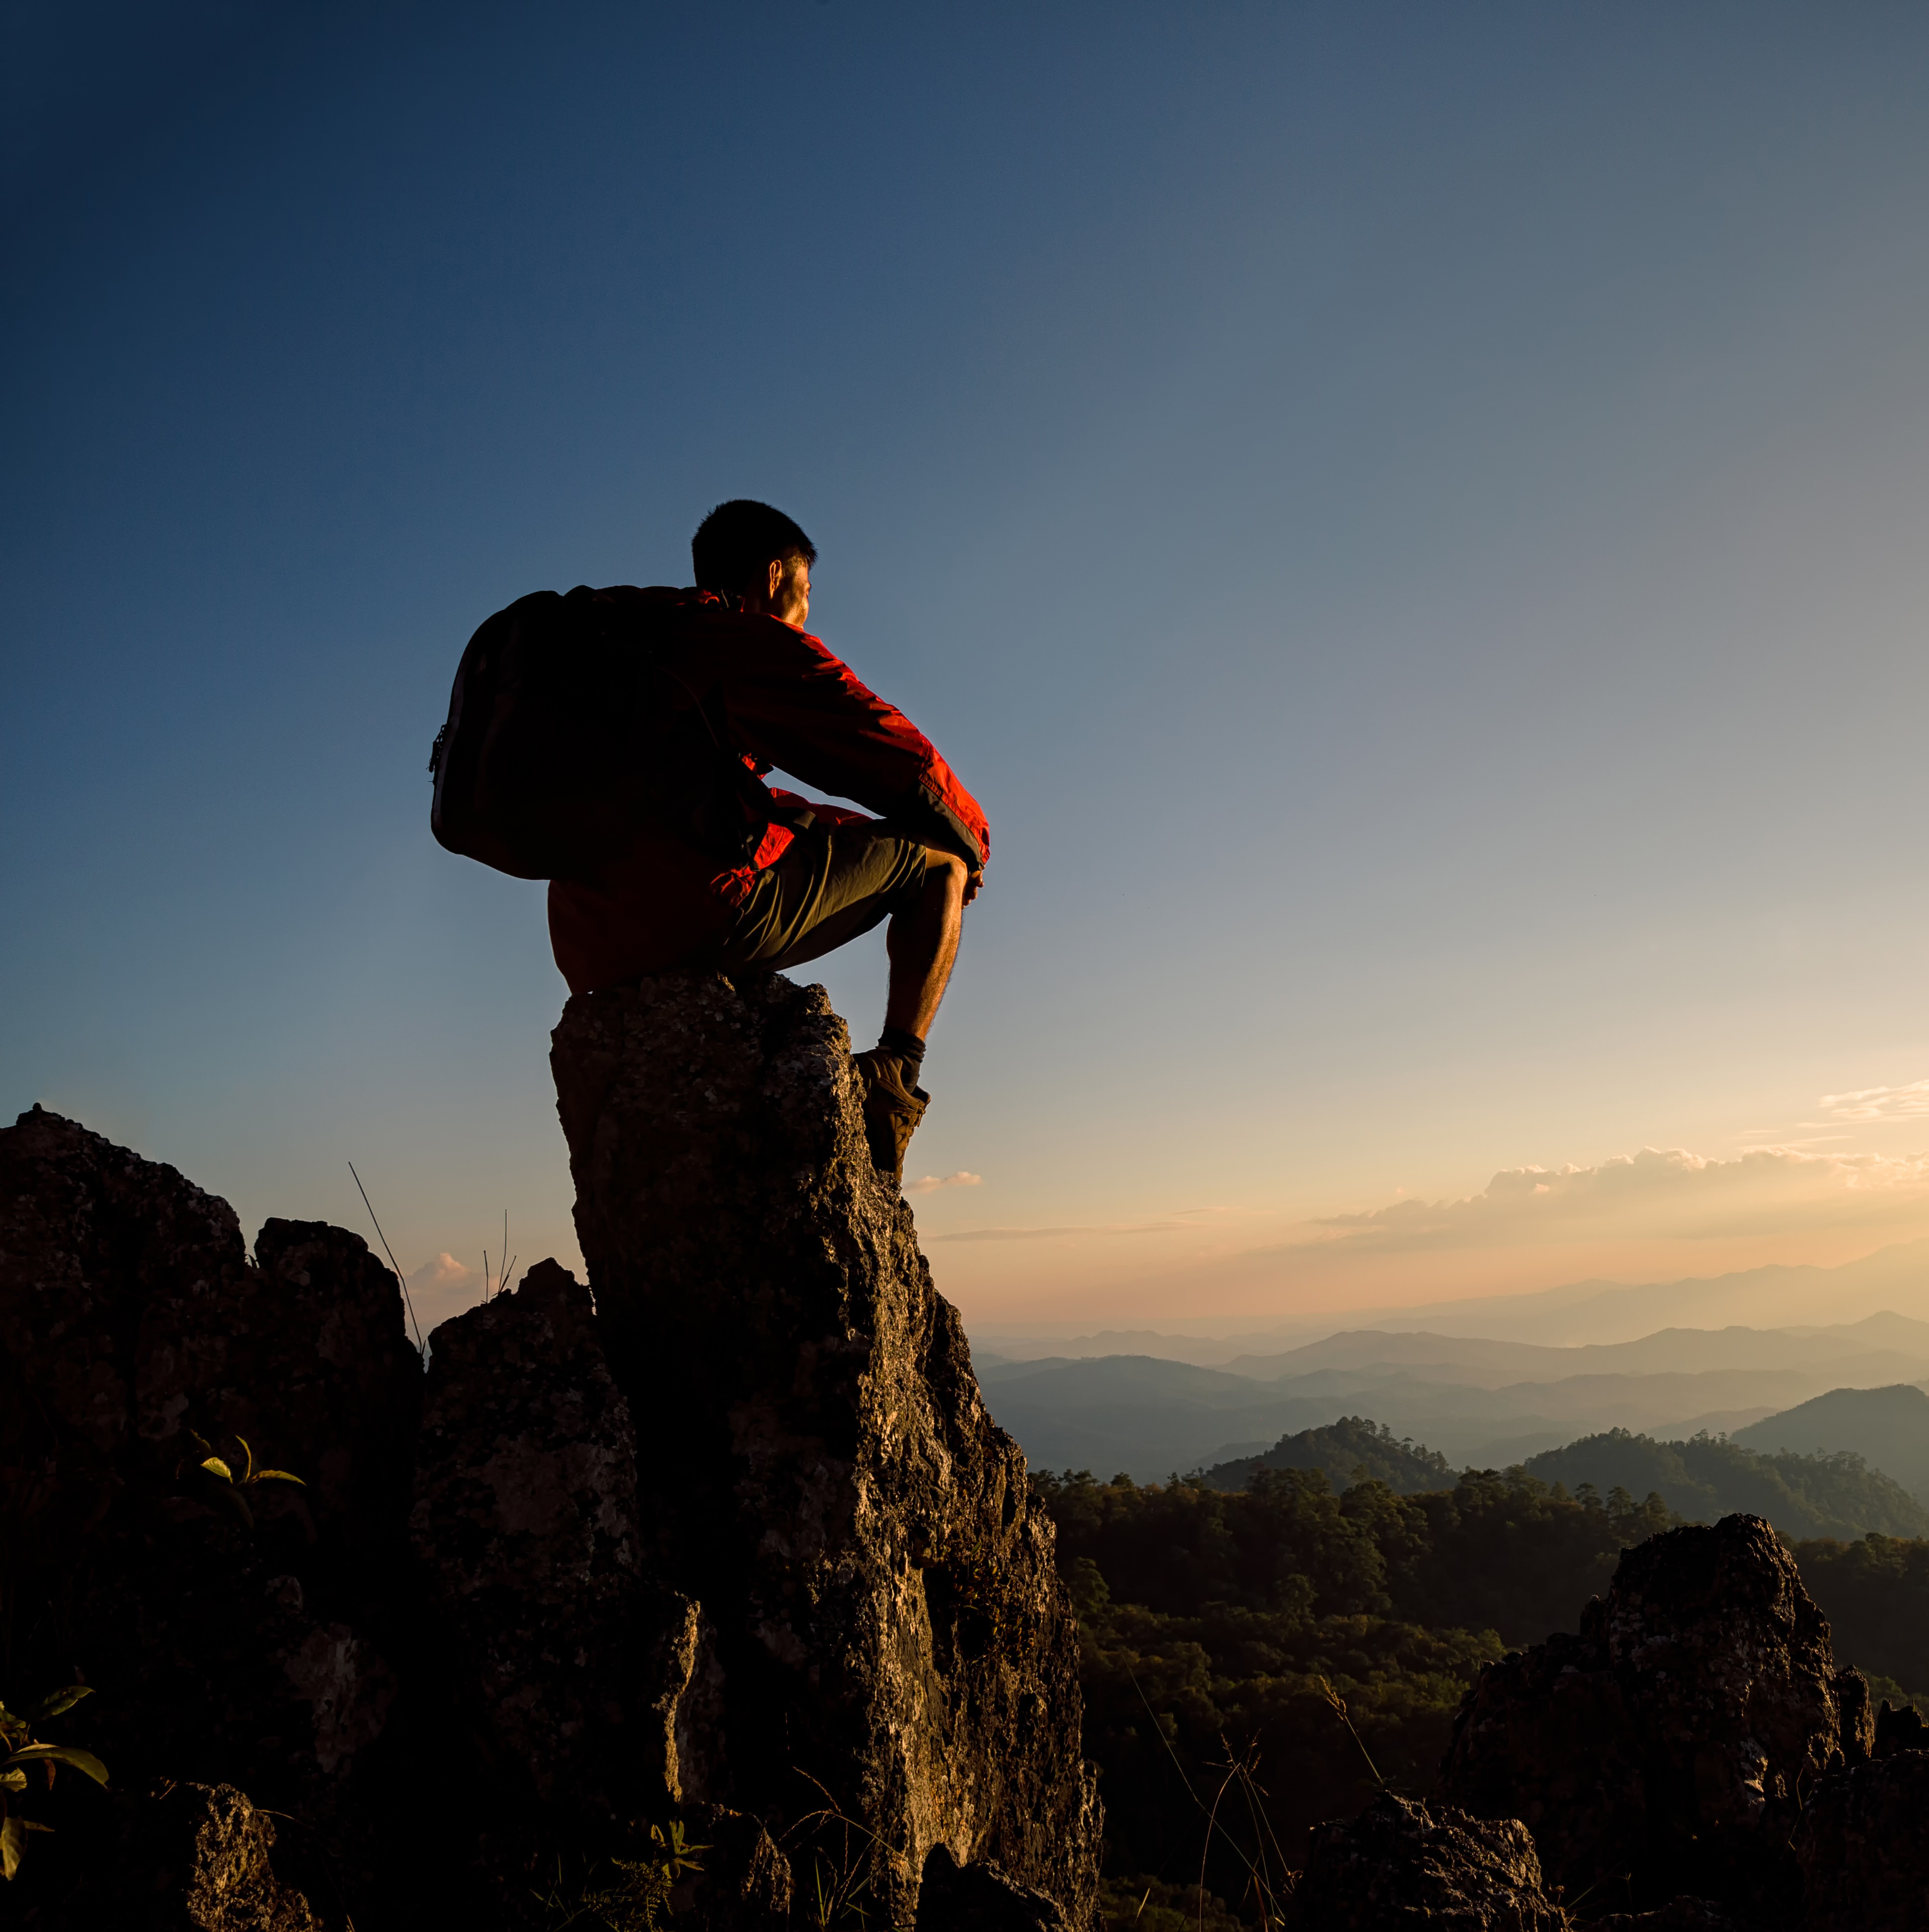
(1402,1863)
(1679,1914)
(979,1898)
(1668,1749)
(896,1652)
(591,1680)
(203,1860)
(235,1631)
(1863,1855)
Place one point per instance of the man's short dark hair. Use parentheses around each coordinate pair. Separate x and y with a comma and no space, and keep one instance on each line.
(736,544)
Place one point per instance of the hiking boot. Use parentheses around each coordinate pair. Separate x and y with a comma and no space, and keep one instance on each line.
(892,1110)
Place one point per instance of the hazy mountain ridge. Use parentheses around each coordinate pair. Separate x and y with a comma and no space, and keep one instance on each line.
(1801,1298)
(1148,1416)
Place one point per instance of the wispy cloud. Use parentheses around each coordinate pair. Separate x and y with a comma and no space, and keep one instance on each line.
(1657,1215)
(1880,1103)
(1657,1191)
(931,1182)
(1062,1233)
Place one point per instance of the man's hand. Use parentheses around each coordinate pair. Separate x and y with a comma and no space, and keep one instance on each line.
(972,884)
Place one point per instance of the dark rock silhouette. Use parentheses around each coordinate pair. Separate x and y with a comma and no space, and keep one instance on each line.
(1863,1855)
(234,1633)
(1668,1748)
(1400,1863)
(896,1647)
(979,1898)
(1894,1730)
(590,1679)
(1679,1914)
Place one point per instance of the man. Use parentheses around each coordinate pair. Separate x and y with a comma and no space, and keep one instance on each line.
(820,875)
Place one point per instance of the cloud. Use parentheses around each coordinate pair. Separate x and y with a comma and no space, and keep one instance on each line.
(1660,1214)
(1664,1192)
(1063,1234)
(443,1275)
(931,1182)
(1880,1103)
(443,1287)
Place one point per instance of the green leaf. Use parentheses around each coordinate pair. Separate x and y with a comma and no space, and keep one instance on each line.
(55,1702)
(13,1842)
(12,1780)
(215,1466)
(249,1454)
(81,1760)
(278,1476)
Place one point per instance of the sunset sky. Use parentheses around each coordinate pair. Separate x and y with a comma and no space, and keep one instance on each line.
(1410,518)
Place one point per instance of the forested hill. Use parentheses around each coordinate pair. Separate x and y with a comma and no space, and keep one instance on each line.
(1708,1477)
(1350,1450)
(1326,1639)
(1700,1480)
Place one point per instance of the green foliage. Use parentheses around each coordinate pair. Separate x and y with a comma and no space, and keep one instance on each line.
(1875,1593)
(26,1755)
(1350,1450)
(1256,1660)
(639,1892)
(1309,1646)
(1139,1903)
(219,1468)
(1498,1553)
(1709,1476)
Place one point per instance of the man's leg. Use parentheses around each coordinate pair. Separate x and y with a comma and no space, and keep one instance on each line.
(827,891)
(922,944)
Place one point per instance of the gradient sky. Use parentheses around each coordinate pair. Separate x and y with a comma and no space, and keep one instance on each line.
(1411,518)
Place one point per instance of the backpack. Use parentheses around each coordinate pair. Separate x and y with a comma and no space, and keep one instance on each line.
(568,732)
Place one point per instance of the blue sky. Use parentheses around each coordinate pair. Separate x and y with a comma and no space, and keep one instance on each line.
(1409,518)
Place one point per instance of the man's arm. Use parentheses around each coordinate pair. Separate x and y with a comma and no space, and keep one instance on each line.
(790,701)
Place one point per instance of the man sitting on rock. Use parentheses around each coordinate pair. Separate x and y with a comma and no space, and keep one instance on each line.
(821,875)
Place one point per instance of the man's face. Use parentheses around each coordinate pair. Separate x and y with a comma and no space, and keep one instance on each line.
(791,590)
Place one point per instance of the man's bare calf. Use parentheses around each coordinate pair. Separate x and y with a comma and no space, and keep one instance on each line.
(922,945)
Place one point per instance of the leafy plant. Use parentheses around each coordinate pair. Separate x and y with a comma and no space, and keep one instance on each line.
(641,1891)
(219,1468)
(24,1751)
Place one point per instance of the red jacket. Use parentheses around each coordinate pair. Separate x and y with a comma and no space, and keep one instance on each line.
(784,701)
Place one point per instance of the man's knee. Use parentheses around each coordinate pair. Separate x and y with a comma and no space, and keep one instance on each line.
(945,872)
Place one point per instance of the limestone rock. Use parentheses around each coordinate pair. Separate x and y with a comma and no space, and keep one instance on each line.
(525,1522)
(1676,1737)
(1858,1714)
(1898,1730)
(1401,1863)
(746,1884)
(89,1235)
(979,1898)
(888,1619)
(1865,1857)
(1679,1914)
(228,1629)
(216,1874)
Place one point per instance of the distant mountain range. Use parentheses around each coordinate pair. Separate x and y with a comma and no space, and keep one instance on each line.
(1577,1312)
(1479,1400)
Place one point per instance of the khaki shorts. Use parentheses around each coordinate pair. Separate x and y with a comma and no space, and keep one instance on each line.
(835,882)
